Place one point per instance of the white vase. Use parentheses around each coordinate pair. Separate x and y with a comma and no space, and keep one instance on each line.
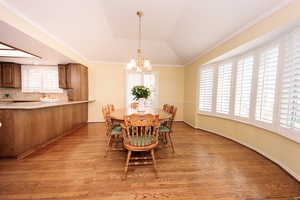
(141,107)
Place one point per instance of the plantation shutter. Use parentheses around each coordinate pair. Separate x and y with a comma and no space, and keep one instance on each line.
(50,81)
(224,86)
(243,86)
(150,81)
(266,85)
(206,89)
(290,90)
(40,79)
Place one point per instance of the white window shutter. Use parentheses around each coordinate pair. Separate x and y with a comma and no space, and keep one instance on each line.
(266,84)
(50,81)
(40,79)
(224,88)
(290,89)
(206,89)
(150,81)
(243,86)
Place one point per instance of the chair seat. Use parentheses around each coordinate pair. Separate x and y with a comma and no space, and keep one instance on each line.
(116,130)
(164,129)
(116,124)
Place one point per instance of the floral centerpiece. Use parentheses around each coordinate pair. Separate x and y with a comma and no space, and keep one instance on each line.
(140,93)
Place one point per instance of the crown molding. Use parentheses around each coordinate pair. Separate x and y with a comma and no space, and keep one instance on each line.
(242,29)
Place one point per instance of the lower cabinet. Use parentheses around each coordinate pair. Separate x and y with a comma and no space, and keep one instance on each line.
(24,131)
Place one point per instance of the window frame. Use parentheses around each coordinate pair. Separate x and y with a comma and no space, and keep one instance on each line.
(233,63)
(256,52)
(155,73)
(42,88)
(238,58)
(213,90)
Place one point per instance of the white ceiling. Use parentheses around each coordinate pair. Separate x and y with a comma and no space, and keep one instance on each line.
(10,35)
(174,31)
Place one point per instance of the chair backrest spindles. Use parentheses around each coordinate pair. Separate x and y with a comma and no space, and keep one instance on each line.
(141,130)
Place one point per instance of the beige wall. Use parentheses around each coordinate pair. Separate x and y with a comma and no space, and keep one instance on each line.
(281,150)
(107,85)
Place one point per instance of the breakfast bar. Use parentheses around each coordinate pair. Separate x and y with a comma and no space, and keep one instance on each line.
(29,126)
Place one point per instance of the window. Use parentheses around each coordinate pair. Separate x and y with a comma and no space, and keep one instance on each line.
(206,89)
(149,80)
(224,87)
(261,87)
(266,85)
(290,92)
(243,87)
(40,79)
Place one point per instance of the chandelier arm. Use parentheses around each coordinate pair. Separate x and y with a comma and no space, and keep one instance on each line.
(140,31)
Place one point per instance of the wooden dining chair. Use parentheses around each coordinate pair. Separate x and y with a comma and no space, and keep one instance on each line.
(111,107)
(166,129)
(140,134)
(165,107)
(105,112)
(114,133)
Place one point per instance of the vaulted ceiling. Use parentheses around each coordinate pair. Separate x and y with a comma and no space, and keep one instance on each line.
(174,31)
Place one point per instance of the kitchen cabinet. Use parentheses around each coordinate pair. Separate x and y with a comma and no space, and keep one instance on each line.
(74,77)
(62,76)
(0,76)
(10,75)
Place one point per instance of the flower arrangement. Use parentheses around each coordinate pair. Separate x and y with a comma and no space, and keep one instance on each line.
(140,92)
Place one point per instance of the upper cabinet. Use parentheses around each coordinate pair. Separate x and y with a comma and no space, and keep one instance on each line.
(74,77)
(0,76)
(10,74)
(62,76)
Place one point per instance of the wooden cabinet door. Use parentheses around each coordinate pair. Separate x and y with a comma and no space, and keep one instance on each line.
(84,83)
(77,82)
(62,76)
(17,78)
(0,75)
(7,75)
(11,75)
(68,69)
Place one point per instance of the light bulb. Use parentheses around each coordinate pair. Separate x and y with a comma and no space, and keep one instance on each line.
(129,66)
(147,64)
(138,69)
(133,63)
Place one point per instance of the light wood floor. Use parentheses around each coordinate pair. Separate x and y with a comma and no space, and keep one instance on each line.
(205,167)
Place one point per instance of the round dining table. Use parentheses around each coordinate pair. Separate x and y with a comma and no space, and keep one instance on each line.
(119,114)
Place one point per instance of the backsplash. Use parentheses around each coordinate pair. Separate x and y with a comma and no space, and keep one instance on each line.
(19,95)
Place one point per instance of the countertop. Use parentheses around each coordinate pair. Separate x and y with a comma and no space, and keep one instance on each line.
(19,100)
(37,105)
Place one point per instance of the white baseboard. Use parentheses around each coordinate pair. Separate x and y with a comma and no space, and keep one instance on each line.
(189,124)
(287,169)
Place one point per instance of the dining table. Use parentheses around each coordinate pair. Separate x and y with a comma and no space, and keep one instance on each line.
(119,114)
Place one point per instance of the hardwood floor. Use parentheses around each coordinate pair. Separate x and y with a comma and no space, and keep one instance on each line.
(205,166)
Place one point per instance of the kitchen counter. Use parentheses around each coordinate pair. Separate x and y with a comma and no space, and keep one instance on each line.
(29,126)
(19,100)
(37,105)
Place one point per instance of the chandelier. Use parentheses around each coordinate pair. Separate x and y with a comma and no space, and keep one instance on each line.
(139,64)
